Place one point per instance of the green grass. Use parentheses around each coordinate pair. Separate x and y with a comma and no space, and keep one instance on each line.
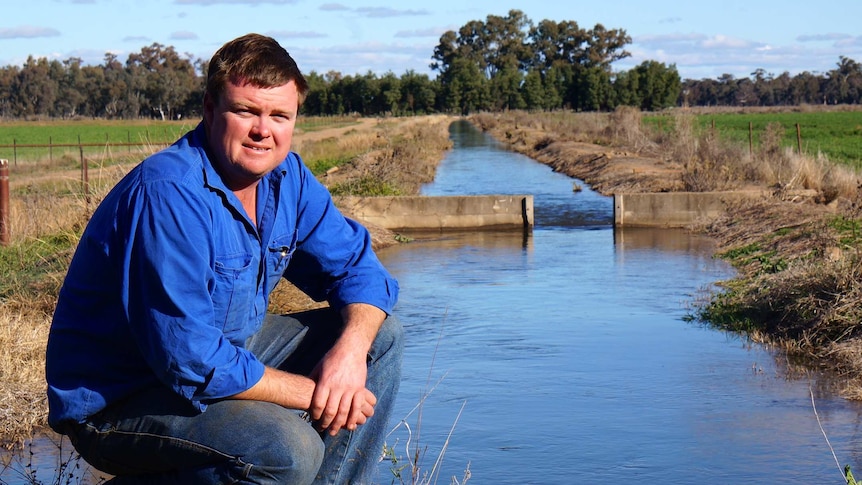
(320,166)
(837,134)
(849,231)
(24,265)
(315,123)
(89,132)
(102,132)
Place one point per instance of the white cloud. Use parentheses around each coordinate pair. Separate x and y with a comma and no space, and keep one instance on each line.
(28,32)
(183,35)
(725,42)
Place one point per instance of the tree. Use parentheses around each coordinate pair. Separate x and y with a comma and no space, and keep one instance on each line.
(533,92)
(605,46)
(389,94)
(72,89)
(164,78)
(505,90)
(555,44)
(844,84)
(764,89)
(658,85)
(35,90)
(497,51)
(463,88)
(418,93)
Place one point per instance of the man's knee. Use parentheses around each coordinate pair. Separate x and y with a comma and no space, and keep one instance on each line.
(389,340)
(287,450)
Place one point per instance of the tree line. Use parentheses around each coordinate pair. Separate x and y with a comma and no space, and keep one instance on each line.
(502,62)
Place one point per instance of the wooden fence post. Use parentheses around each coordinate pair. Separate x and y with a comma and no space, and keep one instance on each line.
(85,179)
(4,202)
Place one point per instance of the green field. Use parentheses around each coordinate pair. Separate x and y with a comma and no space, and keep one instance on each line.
(97,135)
(836,134)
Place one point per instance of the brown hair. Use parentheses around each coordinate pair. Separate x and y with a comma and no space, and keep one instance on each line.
(254,59)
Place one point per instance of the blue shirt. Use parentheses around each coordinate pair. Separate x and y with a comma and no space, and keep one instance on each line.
(170,278)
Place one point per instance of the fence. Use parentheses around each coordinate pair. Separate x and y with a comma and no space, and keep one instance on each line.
(6,168)
(41,148)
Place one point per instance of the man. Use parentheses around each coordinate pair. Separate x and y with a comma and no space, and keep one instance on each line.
(162,363)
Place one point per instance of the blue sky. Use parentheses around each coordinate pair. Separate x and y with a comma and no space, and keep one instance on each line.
(703,39)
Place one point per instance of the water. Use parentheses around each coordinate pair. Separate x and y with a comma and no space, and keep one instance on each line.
(564,356)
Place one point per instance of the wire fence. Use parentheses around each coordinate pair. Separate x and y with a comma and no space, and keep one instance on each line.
(20,154)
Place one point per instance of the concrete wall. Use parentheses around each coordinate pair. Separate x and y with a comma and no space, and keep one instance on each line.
(442,212)
(665,209)
(674,209)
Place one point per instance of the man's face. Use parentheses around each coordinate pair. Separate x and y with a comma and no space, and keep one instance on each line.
(250,130)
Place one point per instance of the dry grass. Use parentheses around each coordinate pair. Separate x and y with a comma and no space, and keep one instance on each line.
(396,160)
(22,400)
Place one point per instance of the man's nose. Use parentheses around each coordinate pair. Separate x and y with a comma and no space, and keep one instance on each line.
(260,126)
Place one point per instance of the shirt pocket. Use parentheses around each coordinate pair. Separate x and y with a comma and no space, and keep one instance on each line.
(278,255)
(233,295)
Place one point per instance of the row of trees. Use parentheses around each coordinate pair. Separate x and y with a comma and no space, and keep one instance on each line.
(503,62)
(842,85)
(156,82)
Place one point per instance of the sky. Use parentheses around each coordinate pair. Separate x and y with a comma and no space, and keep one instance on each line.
(703,39)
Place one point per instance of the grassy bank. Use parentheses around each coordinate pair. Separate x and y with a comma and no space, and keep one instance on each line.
(797,252)
(49,210)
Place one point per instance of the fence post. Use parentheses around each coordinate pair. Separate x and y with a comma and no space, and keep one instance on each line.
(4,202)
(85,180)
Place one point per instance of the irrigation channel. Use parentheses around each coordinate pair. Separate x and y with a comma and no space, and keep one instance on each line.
(565,356)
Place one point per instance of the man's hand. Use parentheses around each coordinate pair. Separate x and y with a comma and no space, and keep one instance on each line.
(340,399)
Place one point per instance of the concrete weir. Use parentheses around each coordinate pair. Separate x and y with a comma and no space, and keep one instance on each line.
(438,213)
(442,212)
(674,209)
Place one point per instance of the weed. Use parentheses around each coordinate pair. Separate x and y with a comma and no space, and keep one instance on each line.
(69,469)
(365,186)
(414,451)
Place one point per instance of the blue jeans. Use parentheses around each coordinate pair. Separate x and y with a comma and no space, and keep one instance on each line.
(157,437)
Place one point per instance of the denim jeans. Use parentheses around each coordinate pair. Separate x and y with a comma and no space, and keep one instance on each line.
(157,437)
